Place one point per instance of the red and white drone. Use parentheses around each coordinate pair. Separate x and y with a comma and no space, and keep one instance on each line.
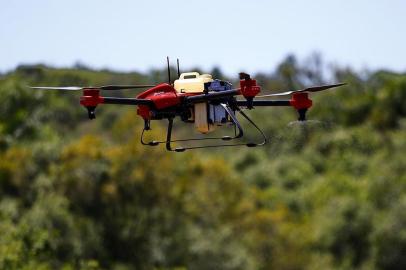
(199,99)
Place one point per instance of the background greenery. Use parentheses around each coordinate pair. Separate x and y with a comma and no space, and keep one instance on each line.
(81,194)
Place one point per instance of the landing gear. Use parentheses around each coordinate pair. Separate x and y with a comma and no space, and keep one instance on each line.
(237,134)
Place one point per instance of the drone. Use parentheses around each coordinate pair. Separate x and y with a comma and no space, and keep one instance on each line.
(200,100)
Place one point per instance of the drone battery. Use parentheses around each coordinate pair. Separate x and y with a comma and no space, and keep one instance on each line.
(217,114)
(218,85)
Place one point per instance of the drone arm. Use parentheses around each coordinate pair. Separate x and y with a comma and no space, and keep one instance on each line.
(300,101)
(244,103)
(91,99)
(126,101)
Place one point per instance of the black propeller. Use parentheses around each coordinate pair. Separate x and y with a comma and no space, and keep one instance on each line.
(309,89)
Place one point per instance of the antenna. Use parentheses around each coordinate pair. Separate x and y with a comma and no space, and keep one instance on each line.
(169,70)
(177,61)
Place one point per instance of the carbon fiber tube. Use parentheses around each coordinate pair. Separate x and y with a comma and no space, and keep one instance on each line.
(127,101)
(242,103)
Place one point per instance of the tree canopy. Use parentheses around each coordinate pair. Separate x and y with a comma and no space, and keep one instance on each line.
(80,194)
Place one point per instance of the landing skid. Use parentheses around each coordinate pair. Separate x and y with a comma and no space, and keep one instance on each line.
(237,135)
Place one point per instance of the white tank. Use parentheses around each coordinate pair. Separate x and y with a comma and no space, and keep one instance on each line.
(192,82)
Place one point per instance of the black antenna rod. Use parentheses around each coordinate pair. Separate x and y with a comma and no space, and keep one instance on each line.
(177,60)
(169,70)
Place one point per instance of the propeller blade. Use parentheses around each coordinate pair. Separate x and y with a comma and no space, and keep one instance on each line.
(322,87)
(309,89)
(106,87)
(277,94)
(68,88)
(122,87)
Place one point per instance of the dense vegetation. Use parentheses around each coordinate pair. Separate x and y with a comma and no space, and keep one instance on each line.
(80,194)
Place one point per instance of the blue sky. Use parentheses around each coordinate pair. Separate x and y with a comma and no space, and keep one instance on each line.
(235,35)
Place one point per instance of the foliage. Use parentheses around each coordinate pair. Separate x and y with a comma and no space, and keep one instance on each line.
(329,194)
